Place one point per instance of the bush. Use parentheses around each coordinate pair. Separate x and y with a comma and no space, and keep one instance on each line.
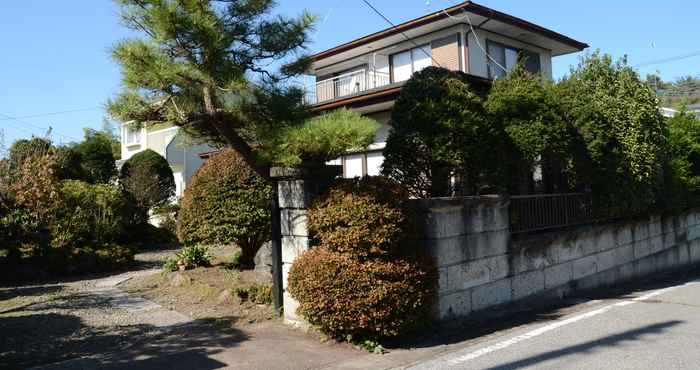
(96,157)
(258,294)
(225,203)
(684,161)
(360,217)
(617,116)
(365,299)
(147,176)
(439,128)
(357,280)
(189,258)
(89,214)
(89,259)
(528,108)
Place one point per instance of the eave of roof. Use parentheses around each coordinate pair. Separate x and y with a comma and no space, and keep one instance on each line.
(440,14)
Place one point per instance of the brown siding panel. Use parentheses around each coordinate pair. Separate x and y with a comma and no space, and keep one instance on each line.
(446,52)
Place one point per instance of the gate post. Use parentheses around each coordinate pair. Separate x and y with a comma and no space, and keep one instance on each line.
(296,189)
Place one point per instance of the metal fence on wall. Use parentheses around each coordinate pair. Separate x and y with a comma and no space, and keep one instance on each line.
(549,211)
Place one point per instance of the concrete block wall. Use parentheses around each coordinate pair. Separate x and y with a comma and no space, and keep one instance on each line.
(481,265)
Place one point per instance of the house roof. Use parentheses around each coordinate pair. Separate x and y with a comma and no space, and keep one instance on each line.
(468,6)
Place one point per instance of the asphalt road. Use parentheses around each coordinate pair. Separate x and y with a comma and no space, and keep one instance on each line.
(650,329)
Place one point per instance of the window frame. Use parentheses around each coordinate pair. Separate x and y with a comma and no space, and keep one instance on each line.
(520,52)
(137,133)
(426,46)
(363,160)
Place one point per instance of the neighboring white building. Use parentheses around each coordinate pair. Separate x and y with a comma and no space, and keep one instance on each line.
(367,74)
(183,157)
(670,112)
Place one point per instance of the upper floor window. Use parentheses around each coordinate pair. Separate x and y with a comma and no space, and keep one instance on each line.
(133,135)
(507,57)
(406,63)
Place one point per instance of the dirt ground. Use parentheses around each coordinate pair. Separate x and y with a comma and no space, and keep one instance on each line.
(52,322)
(204,292)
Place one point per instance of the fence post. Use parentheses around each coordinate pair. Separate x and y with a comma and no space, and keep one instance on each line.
(296,189)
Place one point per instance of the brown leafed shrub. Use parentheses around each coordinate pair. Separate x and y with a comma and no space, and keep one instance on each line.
(357,280)
(362,217)
(365,299)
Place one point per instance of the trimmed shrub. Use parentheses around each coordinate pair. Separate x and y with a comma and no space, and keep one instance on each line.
(439,128)
(357,280)
(365,299)
(360,217)
(147,176)
(226,202)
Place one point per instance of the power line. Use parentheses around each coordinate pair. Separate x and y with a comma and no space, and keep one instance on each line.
(667,60)
(476,37)
(46,129)
(51,113)
(402,33)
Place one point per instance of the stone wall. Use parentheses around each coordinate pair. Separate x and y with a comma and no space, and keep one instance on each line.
(481,265)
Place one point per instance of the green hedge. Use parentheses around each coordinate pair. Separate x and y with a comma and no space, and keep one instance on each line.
(226,202)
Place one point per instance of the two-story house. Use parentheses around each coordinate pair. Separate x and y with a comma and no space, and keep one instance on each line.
(367,74)
(183,156)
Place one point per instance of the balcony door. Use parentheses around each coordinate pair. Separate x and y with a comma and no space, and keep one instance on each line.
(406,63)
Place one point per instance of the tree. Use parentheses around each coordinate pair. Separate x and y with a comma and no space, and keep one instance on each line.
(194,68)
(96,156)
(322,138)
(226,202)
(684,159)
(439,128)
(114,138)
(528,108)
(22,149)
(147,176)
(617,116)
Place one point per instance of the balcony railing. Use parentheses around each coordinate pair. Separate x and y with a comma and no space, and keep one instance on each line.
(345,85)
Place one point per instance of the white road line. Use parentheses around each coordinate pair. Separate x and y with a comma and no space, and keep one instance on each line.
(468,356)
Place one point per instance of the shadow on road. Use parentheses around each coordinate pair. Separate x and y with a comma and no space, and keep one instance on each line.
(588,347)
(526,313)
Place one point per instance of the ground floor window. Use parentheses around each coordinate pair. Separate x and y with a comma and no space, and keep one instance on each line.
(362,164)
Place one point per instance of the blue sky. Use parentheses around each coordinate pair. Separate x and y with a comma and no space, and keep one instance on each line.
(55,54)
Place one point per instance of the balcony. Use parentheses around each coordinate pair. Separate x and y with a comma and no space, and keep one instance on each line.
(346,85)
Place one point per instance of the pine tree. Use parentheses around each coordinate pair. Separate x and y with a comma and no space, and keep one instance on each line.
(203,65)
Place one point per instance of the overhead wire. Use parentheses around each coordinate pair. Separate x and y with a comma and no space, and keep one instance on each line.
(429,55)
(52,113)
(476,36)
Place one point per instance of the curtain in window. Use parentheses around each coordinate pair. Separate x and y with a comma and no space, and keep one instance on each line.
(402,66)
(421,58)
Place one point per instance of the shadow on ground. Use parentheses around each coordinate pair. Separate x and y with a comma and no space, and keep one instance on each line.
(591,346)
(521,314)
(53,340)
(44,333)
